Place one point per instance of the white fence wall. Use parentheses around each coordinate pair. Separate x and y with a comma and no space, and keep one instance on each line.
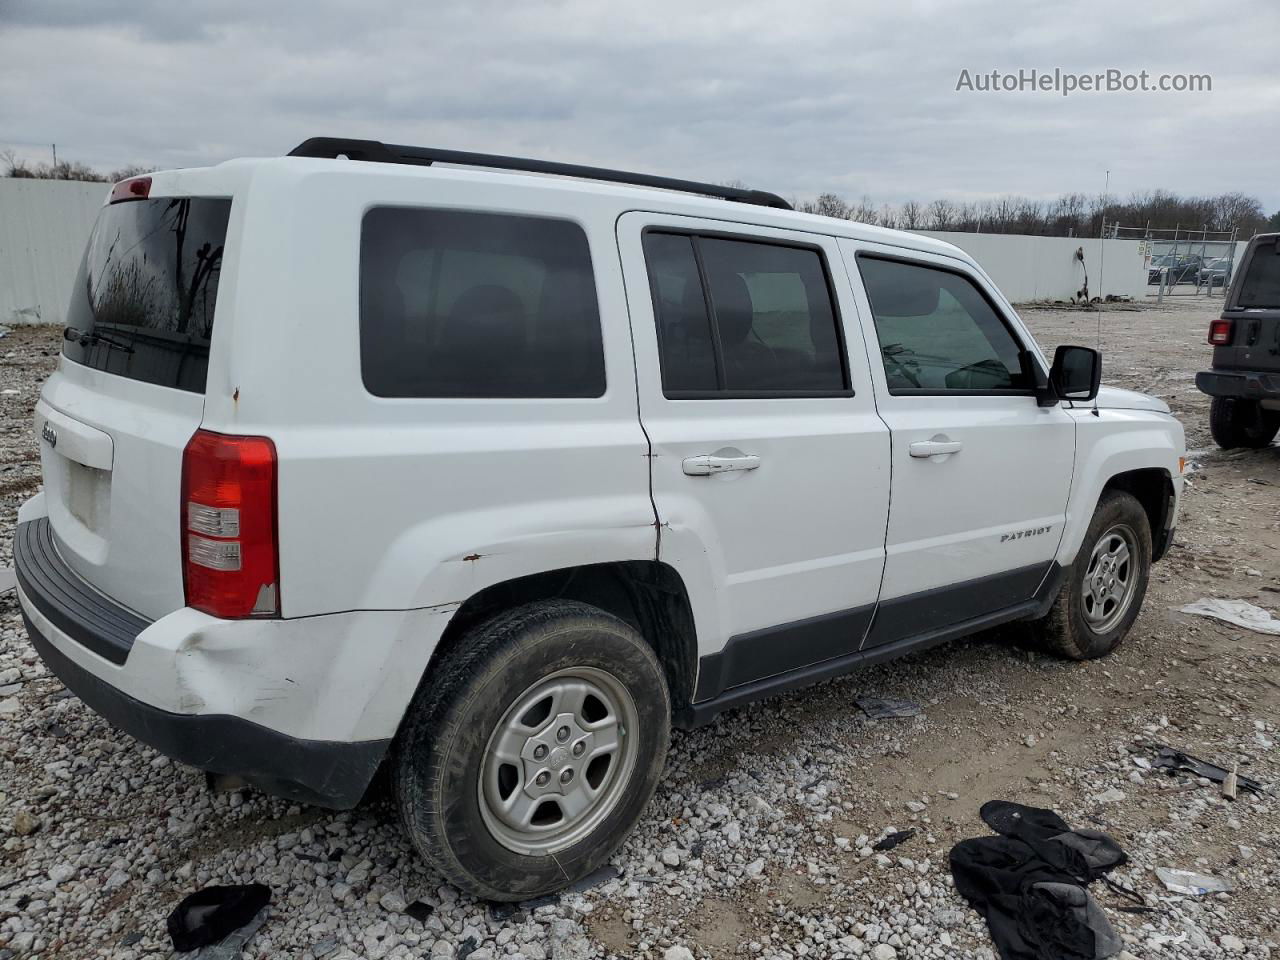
(1046,268)
(44,225)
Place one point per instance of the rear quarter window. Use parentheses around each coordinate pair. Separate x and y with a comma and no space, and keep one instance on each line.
(467,304)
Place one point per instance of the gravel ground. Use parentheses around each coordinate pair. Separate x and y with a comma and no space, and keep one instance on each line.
(758,841)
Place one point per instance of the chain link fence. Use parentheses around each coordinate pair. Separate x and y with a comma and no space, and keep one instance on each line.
(1183,261)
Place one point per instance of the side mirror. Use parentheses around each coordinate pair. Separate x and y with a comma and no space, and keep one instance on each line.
(1076,373)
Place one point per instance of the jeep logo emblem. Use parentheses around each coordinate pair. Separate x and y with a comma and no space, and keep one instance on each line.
(559,757)
(50,435)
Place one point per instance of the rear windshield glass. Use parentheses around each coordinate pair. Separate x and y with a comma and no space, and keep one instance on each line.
(142,304)
(467,304)
(1261,284)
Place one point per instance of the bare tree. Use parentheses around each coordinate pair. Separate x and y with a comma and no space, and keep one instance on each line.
(124,173)
(1237,210)
(13,167)
(1071,214)
(63,170)
(827,205)
(941,214)
(865,211)
(1028,217)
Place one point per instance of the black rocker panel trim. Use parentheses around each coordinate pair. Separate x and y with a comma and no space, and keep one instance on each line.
(775,650)
(710,702)
(918,613)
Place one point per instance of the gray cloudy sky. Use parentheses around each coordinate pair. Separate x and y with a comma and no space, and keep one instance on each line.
(796,97)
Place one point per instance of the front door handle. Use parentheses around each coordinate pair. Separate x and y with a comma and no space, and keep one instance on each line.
(923,449)
(707,465)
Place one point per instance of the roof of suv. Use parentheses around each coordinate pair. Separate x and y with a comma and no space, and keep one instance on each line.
(636,191)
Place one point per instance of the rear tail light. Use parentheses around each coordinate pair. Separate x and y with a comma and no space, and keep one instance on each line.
(230,553)
(135,188)
(1220,333)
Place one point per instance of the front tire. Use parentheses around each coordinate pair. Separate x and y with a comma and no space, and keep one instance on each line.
(1104,589)
(1234,422)
(529,757)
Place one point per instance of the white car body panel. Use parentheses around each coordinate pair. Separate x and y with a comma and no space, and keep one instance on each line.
(344,678)
(393,513)
(956,517)
(802,535)
(1117,398)
(524,485)
(1115,442)
(116,520)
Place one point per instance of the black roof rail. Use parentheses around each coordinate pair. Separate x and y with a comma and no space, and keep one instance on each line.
(377,152)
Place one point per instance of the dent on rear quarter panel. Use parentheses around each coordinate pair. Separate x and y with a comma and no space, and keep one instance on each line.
(620,529)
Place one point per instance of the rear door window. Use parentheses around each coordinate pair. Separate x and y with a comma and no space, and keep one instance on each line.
(142,305)
(466,304)
(743,318)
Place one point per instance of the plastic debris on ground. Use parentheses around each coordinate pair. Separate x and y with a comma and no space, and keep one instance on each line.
(419,910)
(1192,884)
(1175,761)
(8,579)
(231,946)
(214,914)
(1239,613)
(595,878)
(880,708)
(891,840)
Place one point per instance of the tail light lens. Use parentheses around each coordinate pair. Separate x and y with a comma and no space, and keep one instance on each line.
(1220,333)
(230,555)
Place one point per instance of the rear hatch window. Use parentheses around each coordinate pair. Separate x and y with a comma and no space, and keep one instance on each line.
(143,302)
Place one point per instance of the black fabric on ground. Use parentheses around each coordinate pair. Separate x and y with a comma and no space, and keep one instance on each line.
(1062,920)
(1029,884)
(209,915)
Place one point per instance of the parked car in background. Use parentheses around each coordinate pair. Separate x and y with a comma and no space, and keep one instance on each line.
(1245,378)
(1182,268)
(356,457)
(1216,271)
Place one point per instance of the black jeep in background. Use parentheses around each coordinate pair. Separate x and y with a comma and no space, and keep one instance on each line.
(1245,379)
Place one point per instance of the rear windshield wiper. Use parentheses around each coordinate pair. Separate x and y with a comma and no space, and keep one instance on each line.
(86,337)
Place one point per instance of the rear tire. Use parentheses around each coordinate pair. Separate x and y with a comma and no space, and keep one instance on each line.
(530,755)
(1104,588)
(1242,423)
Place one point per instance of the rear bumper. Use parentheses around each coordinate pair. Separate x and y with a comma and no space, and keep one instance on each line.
(1245,384)
(327,774)
(270,701)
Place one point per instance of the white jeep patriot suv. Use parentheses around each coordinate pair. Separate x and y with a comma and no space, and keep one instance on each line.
(352,459)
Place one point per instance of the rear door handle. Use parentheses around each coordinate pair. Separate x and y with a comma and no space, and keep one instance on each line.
(923,449)
(707,465)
